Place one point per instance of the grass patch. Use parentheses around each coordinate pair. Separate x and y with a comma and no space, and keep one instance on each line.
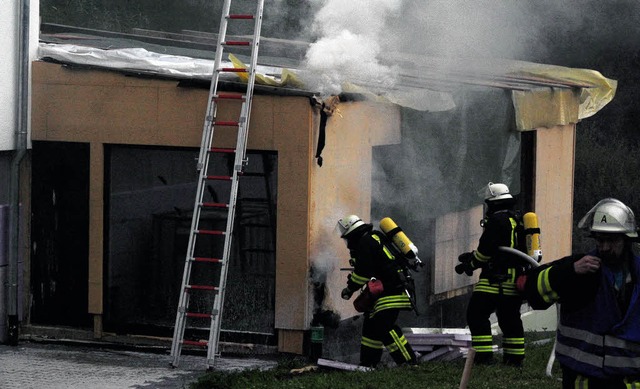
(433,375)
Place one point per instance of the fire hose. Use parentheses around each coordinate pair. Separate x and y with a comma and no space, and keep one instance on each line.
(533,263)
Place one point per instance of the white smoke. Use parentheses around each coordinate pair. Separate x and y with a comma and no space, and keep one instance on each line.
(349,45)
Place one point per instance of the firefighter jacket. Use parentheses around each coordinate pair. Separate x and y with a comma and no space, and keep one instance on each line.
(599,328)
(370,257)
(498,275)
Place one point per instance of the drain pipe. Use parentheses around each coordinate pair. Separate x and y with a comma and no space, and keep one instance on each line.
(21,149)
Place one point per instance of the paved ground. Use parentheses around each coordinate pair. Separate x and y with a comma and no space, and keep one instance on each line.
(56,366)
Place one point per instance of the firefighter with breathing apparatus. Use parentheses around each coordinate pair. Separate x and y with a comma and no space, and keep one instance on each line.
(495,290)
(598,333)
(375,263)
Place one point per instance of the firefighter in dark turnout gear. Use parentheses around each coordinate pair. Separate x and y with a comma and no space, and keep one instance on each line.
(598,334)
(495,291)
(372,258)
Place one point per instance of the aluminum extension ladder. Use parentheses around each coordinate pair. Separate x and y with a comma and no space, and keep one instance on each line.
(186,312)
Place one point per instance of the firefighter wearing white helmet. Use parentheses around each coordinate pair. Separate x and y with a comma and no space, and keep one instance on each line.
(598,333)
(495,290)
(497,192)
(371,258)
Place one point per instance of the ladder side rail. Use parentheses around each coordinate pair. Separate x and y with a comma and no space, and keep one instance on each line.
(252,70)
(213,88)
(176,346)
(239,163)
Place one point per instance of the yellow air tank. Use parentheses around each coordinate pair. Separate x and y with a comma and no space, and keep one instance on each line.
(399,238)
(532,234)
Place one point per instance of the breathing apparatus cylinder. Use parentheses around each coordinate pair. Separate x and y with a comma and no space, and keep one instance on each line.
(399,238)
(532,234)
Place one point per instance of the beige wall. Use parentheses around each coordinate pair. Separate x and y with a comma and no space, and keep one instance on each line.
(102,107)
(553,204)
(343,186)
(553,188)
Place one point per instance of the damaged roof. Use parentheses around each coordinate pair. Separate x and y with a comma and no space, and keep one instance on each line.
(543,95)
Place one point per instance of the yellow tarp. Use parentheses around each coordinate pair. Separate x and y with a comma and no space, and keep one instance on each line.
(287,77)
(549,106)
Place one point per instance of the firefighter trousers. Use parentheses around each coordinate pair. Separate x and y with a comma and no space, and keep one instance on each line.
(507,309)
(380,331)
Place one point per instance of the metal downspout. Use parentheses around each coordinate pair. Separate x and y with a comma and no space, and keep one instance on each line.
(21,147)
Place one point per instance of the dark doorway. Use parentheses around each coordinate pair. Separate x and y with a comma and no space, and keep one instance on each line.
(150,199)
(59,234)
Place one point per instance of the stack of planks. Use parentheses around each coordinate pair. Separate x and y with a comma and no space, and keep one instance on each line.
(439,344)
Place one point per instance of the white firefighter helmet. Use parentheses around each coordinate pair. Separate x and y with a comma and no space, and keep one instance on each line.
(348,224)
(497,192)
(610,216)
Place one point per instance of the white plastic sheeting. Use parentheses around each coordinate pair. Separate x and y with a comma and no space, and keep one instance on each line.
(140,60)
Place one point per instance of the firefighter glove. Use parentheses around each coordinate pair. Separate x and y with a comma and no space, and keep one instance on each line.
(465,268)
(466,257)
(466,264)
(346,293)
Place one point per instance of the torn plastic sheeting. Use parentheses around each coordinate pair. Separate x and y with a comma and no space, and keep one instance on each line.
(545,107)
(140,60)
(548,107)
(420,99)
(286,78)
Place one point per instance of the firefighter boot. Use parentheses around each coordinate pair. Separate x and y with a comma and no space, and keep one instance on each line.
(513,351)
(400,350)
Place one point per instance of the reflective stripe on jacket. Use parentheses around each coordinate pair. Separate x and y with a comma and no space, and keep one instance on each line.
(600,339)
(497,277)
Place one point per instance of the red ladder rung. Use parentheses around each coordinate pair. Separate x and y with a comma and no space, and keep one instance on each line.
(201,343)
(226,123)
(236,43)
(204,259)
(221,150)
(234,70)
(198,315)
(230,96)
(202,287)
(215,205)
(240,16)
(210,232)
(219,178)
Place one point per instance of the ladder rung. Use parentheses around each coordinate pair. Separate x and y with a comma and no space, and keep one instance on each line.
(234,70)
(199,315)
(221,178)
(215,205)
(221,150)
(226,123)
(202,287)
(202,343)
(210,232)
(204,259)
(240,16)
(230,96)
(236,43)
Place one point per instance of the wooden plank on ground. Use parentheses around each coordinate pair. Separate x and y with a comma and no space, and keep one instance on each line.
(436,353)
(341,365)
